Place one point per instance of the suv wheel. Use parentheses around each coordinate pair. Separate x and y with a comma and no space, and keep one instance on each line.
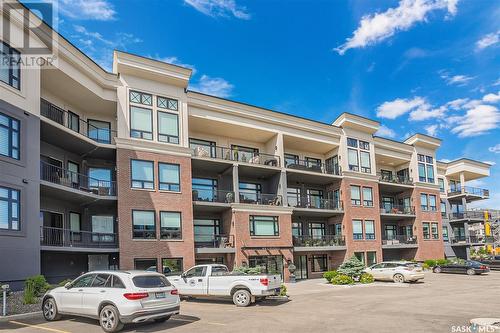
(49,309)
(398,278)
(161,319)
(242,297)
(470,271)
(109,319)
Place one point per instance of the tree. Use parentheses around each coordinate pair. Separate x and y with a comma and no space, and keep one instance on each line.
(352,267)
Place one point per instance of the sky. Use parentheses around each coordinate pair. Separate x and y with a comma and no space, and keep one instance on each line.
(416,66)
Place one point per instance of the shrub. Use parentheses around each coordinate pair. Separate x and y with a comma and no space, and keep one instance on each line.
(37,284)
(366,278)
(430,262)
(441,262)
(342,279)
(426,266)
(330,275)
(29,295)
(283,290)
(352,267)
(247,270)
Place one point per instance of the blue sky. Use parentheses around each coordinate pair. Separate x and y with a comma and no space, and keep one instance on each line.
(428,66)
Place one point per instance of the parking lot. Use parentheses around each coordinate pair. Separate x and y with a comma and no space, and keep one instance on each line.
(441,303)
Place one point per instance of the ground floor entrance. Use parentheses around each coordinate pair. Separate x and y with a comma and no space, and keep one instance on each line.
(268,264)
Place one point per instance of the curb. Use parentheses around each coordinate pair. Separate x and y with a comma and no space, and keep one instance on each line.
(20,316)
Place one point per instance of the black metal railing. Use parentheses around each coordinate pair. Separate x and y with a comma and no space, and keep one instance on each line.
(397,209)
(473,214)
(78,181)
(232,154)
(395,179)
(269,199)
(214,241)
(398,240)
(213,196)
(313,166)
(50,236)
(314,203)
(324,240)
(71,121)
(469,190)
(458,239)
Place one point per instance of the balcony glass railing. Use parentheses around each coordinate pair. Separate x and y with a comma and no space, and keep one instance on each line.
(467,215)
(398,240)
(307,165)
(320,240)
(397,209)
(314,203)
(213,241)
(396,179)
(77,181)
(228,154)
(261,199)
(70,238)
(457,190)
(207,195)
(74,123)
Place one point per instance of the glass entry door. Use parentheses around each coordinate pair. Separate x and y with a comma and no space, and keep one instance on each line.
(301,272)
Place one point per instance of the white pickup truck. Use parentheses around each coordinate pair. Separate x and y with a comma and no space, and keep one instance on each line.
(216,280)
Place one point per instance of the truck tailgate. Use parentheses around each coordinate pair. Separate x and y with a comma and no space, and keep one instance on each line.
(274,282)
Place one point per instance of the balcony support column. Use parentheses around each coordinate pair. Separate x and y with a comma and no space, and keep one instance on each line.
(282,188)
(236,184)
(462,182)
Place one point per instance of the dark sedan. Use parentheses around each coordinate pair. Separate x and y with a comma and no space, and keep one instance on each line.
(469,267)
(493,262)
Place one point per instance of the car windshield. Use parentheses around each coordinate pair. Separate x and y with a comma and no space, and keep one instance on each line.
(150,281)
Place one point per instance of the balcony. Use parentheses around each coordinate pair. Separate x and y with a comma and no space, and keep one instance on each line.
(399,242)
(304,165)
(477,215)
(267,199)
(314,206)
(76,185)
(470,193)
(397,211)
(471,240)
(318,243)
(233,155)
(394,179)
(214,244)
(212,201)
(67,240)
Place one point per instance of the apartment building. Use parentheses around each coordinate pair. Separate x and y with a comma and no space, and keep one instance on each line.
(130,169)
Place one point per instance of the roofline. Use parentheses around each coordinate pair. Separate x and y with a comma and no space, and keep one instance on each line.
(357,115)
(465,159)
(152,59)
(428,136)
(396,141)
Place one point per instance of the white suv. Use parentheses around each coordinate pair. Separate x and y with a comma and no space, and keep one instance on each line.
(115,298)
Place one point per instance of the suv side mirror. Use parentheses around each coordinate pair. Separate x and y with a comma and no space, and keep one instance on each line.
(183,275)
(68,285)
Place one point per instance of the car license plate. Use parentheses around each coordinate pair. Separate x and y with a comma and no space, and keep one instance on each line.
(160,295)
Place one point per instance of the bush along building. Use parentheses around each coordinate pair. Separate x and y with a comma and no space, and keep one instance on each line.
(130,169)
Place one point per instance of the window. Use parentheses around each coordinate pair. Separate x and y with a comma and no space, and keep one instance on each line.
(9,209)
(367,196)
(445,233)
(73,121)
(364,145)
(170,225)
(100,280)
(426,230)
(423,201)
(243,154)
(203,147)
(264,225)
(386,175)
(142,174)
(434,231)
(358,153)
(74,222)
(141,123)
(250,192)
(9,136)
(10,69)
(371,258)
(207,232)
(293,195)
(145,264)
(196,272)
(317,230)
(205,189)
(100,180)
(143,222)
(365,162)
(312,162)
(355,195)
(360,256)
(441,185)
(352,156)
(425,168)
(291,159)
(352,143)
(421,172)
(315,198)
(172,266)
(432,202)
(168,127)
(296,229)
(117,282)
(103,227)
(369,229)
(140,98)
(319,263)
(443,208)
(169,175)
(332,165)
(84,281)
(99,131)
(357,229)
(167,103)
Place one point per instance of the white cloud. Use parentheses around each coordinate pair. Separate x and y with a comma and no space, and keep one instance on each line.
(492,98)
(488,40)
(215,86)
(425,112)
(385,132)
(431,129)
(445,160)
(495,149)
(100,10)
(399,107)
(478,120)
(457,104)
(219,8)
(374,28)
(496,83)
(459,80)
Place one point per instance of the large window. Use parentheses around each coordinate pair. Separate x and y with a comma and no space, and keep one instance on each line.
(352,156)
(367,196)
(357,229)
(168,127)
(142,174)
(441,185)
(206,232)
(358,154)
(170,225)
(172,266)
(360,256)
(250,192)
(100,180)
(425,168)
(169,177)
(423,201)
(143,222)
(264,225)
(99,131)
(243,154)
(428,202)
(9,209)
(10,69)
(293,195)
(141,123)
(204,189)
(73,121)
(145,264)
(371,258)
(434,231)
(291,159)
(103,227)
(432,202)
(317,230)
(369,229)
(445,233)
(426,230)
(319,263)
(9,136)
(355,195)
(203,148)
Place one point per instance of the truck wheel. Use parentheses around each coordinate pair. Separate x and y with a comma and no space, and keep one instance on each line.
(242,297)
